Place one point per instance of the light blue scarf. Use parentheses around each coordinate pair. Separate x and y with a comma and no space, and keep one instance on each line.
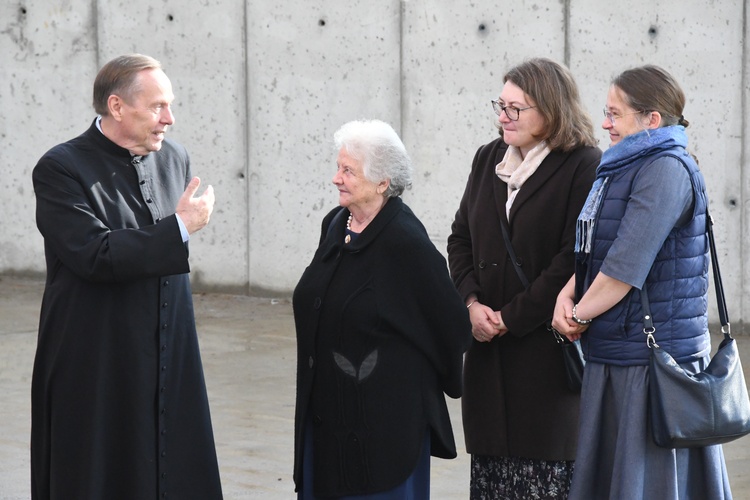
(617,159)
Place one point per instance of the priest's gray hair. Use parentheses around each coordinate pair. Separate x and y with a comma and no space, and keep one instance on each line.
(378,147)
(120,77)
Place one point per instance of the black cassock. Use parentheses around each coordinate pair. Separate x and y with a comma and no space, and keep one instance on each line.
(119,404)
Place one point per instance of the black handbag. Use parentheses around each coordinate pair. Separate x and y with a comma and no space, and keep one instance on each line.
(571,351)
(572,359)
(707,408)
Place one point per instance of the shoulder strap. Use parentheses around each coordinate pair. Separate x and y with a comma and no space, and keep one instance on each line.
(720,297)
(721,301)
(509,247)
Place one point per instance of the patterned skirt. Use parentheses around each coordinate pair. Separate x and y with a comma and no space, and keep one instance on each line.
(511,478)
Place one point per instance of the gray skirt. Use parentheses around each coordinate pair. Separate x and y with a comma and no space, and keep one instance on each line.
(617,459)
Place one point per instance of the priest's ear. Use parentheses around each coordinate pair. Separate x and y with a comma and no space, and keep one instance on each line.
(115,105)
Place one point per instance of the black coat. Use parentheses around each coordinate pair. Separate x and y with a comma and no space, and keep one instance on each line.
(381,333)
(515,399)
(119,405)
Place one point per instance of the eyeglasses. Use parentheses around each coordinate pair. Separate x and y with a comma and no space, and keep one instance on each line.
(611,116)
(512,112)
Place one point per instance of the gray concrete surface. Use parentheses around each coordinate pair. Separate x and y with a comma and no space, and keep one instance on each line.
(261,87)
(249,359)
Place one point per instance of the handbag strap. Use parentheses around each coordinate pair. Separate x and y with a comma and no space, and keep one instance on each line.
(720,297)
(509,247)
(522,276)
(721,301)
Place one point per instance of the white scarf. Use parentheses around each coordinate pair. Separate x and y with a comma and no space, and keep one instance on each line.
(514,170)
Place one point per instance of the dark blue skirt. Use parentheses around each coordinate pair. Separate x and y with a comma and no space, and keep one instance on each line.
(416,486)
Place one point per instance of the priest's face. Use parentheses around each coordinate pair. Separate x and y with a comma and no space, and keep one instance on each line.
(147,113)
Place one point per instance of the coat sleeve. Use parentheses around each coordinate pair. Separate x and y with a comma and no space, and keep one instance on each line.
(424,305)
(460,251)
(75,234)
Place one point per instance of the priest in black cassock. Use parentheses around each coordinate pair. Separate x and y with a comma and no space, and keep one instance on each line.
(119,404)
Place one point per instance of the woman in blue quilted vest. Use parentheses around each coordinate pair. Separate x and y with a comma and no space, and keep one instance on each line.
(643,226)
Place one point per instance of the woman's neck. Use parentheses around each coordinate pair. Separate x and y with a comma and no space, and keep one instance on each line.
(362,216)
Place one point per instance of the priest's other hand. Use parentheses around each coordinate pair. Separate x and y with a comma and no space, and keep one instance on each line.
(195,212)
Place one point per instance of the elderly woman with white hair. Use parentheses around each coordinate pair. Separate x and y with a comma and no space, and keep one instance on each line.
(381,332)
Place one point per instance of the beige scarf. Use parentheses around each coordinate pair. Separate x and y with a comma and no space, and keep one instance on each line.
(514,170)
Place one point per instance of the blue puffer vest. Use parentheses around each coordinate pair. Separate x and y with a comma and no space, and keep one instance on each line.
(677,282)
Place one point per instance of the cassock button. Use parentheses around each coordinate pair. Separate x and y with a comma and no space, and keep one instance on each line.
(164,305)
(482,264)
(164,326)
(166,282)
(317,303)
(311,361)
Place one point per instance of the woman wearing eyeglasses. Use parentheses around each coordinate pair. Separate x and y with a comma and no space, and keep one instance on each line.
(643,226)
(520,419)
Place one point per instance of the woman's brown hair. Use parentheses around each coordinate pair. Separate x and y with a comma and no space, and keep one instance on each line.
(553,90)
(651,88)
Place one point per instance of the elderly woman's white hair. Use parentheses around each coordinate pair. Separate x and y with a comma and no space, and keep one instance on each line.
(378,147)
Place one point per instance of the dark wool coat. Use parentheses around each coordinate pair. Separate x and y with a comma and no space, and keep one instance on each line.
(381,333)
(515,401)
(119,406)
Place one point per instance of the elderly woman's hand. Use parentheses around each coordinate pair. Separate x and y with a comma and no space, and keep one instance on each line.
(485,323)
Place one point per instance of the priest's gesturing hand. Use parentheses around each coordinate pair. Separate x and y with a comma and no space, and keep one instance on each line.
(195,211)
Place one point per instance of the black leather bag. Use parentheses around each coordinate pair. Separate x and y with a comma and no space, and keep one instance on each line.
(707,408)
(573,361)
(571,351)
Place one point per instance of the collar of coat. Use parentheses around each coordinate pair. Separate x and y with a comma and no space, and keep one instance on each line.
(98,137)
(333,244)
(554,160)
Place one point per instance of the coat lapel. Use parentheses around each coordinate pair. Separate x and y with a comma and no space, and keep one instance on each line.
(547,169)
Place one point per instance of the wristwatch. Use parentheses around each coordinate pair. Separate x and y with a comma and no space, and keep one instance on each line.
(579,320)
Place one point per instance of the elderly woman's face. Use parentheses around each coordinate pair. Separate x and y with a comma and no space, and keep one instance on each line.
(356,192)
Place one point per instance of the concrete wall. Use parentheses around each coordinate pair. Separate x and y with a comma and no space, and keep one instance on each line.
(261,87)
